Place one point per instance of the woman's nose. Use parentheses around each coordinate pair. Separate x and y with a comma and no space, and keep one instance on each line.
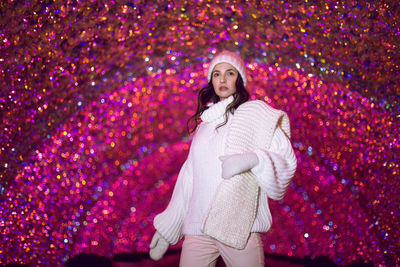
(223,78)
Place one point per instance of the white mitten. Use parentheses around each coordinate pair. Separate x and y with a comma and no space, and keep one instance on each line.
(158,247)
(237,163)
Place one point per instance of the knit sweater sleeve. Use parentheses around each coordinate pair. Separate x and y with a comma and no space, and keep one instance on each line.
(276,166)
(169,222)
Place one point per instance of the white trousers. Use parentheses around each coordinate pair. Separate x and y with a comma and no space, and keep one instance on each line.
(203,251)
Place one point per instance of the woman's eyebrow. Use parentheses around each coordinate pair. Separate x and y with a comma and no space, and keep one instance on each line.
(226,70)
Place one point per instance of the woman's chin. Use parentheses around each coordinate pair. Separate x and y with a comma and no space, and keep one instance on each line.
(224,95)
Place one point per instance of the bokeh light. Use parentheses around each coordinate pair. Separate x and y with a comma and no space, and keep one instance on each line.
(94,101)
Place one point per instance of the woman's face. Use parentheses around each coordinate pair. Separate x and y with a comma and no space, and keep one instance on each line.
(224,77)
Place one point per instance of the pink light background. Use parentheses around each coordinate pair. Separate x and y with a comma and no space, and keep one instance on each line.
(95,98)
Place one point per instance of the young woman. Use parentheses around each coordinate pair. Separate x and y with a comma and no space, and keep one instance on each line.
(239,157)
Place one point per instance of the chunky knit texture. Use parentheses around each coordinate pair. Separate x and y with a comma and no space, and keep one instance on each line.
(195,194)
(234,207)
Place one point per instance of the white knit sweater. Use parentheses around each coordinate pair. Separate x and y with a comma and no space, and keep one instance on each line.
(200,176)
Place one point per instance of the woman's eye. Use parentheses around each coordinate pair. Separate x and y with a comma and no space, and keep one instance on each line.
(215,74)
(231,73)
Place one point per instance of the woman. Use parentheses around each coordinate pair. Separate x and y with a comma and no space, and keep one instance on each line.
(239,157)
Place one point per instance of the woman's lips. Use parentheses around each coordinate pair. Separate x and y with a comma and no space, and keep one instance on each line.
(223,88)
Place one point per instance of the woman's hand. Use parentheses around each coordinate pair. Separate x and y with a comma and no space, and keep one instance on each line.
(158,247)
(237,163)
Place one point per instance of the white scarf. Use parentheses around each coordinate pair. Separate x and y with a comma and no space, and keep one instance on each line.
(234,207)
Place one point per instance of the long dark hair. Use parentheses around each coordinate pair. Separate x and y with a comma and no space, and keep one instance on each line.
(207,95)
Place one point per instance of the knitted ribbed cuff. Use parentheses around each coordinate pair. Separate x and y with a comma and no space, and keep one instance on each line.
(259,169)
(169,226)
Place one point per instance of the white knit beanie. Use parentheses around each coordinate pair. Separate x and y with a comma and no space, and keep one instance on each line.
(231,58)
